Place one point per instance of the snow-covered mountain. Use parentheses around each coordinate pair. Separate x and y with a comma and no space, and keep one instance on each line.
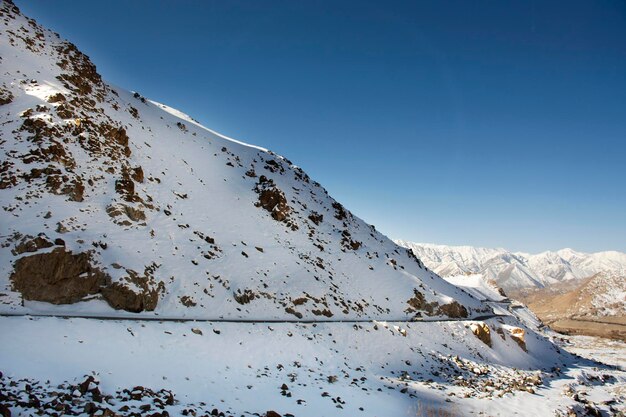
(517,270)
(185,243)
(126,204)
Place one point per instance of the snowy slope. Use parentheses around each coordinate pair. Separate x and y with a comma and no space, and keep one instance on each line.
(327,369)
(478,286)
(132,205)
(513,271)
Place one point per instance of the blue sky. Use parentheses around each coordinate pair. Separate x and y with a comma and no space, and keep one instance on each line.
(487,123)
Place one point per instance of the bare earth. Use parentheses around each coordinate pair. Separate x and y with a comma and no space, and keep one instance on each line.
(591,328)
(568,308)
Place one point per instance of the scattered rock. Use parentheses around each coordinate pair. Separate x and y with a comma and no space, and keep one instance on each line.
(187,301)
(244,297)
(32,244)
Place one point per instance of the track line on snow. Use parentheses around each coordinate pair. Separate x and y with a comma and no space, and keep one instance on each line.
(246,321)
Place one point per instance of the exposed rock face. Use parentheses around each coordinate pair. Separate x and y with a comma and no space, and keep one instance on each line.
(518,335)
(482,332)
(127,213)
(134,293)
(32,244)
(244,297)
(5,96)
(454,310)
(273,199)
(418,303)
(121,297)
(57,277)
(62,277)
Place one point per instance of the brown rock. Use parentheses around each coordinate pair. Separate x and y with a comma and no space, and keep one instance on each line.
(454,310)
(187,301)
(290,310)
(125,186)
(5,96)
(32,244)
(120,137)
(57,277)
(121,297)
(519,336)
(274,201)
(132,213)
(482,332)
(418,303)
(316,218)
(137,174)
(340,212)
(244,297)
(56,98)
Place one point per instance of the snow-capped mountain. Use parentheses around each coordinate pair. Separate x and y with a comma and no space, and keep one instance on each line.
(517,270)
(171,248)
(128,205)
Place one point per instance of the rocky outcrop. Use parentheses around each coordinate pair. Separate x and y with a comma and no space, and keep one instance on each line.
(418,304)
(482,332)
(63,277)
(121,297)
(33,244)
(273,199)
(5,96)
(519,336)
(454,310)
(134,293)
(57,277)
(123,214)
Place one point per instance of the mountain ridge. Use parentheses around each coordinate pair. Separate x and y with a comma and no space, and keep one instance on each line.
(517,270)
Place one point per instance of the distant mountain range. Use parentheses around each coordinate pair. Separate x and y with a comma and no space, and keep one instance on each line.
(513,271)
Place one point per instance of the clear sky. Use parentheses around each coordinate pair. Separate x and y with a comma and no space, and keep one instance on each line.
(487,123)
